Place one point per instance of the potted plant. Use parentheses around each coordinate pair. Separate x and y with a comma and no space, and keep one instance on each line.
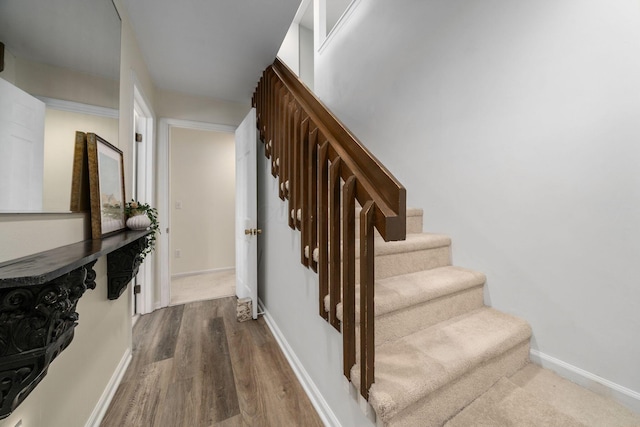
(141,216)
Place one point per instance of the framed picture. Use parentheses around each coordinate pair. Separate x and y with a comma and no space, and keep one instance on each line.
(106,186)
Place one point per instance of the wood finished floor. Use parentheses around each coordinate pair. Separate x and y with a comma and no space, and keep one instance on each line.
(194,365)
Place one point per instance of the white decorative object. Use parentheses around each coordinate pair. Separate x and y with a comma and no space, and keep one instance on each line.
(139,222)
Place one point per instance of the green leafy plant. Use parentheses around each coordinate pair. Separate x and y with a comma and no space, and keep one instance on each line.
(134,208)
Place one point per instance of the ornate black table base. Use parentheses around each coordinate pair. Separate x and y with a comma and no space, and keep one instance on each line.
(122,266)
(38,313)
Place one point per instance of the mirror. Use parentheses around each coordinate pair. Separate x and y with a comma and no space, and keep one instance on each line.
(61,57)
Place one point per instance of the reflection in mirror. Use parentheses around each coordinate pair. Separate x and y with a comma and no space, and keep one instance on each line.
(61,74)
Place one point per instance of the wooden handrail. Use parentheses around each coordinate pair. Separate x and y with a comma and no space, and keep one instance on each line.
(322,169)
(389,195)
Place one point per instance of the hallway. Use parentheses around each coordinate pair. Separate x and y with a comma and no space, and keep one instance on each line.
(195,365)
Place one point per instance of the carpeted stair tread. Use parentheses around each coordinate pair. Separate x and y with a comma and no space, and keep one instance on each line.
(506,405)
(397,292)
(412,367)
(587,407)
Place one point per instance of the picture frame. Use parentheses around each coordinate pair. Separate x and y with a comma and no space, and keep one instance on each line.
(106,187)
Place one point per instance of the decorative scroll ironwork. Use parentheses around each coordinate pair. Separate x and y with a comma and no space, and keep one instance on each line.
(122,266)
(36,324)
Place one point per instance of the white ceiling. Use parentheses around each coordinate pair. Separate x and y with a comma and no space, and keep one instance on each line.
(214,48)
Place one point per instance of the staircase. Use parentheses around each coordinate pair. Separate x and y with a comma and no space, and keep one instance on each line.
(418,341)
(438,347)
(444,358)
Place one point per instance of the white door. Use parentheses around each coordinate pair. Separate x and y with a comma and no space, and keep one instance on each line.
(246,211)
(21,149)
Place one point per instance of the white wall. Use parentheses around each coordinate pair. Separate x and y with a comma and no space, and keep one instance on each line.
(290,295)
(9,71)
(202,165)
(60,138)
(200,109)
(62,83)
(289,51)
(306,56)
(515,126)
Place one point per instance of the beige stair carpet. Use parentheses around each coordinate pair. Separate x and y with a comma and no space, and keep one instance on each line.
(506,405)
(587,407)
(409,369)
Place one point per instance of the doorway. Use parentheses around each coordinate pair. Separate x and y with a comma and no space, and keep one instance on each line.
(202,200)
(196,181)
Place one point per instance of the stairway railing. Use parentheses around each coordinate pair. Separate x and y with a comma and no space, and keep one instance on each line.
(322,169)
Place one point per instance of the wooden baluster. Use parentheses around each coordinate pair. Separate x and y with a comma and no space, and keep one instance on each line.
(265,108)
(334,241)
(282,143)
(269,117)
(367,221)
(302,187)
(297,166)
(312,196)
(261,100)
(291,163)
(349,276)
(323,225)
(276,141)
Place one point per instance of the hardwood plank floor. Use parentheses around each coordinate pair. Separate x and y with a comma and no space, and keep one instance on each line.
(194,365)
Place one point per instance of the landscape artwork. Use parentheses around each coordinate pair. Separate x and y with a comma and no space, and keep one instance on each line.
(106,185)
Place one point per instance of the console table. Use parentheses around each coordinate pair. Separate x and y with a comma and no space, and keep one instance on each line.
(38,298)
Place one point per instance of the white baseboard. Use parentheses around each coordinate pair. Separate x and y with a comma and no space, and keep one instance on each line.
(588,380)
(195,273)
(317,400)
(110,390)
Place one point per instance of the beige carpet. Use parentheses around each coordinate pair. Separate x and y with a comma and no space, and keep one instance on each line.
(205,286)
(536,397)
(441,356)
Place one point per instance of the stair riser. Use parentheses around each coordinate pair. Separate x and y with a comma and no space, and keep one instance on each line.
(435,409)
(408,262)
(394,325)
(397,324)
(404,263)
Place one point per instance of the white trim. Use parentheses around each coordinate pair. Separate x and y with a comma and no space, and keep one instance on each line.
(142,107)
(198,272)
(317,400)
(107,395)
(192,124)
(304,4)
(78,107)
(344,18)
(164,211)
(588,380)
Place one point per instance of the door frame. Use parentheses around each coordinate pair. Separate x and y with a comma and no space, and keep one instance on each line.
(145,120)
(164,195)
